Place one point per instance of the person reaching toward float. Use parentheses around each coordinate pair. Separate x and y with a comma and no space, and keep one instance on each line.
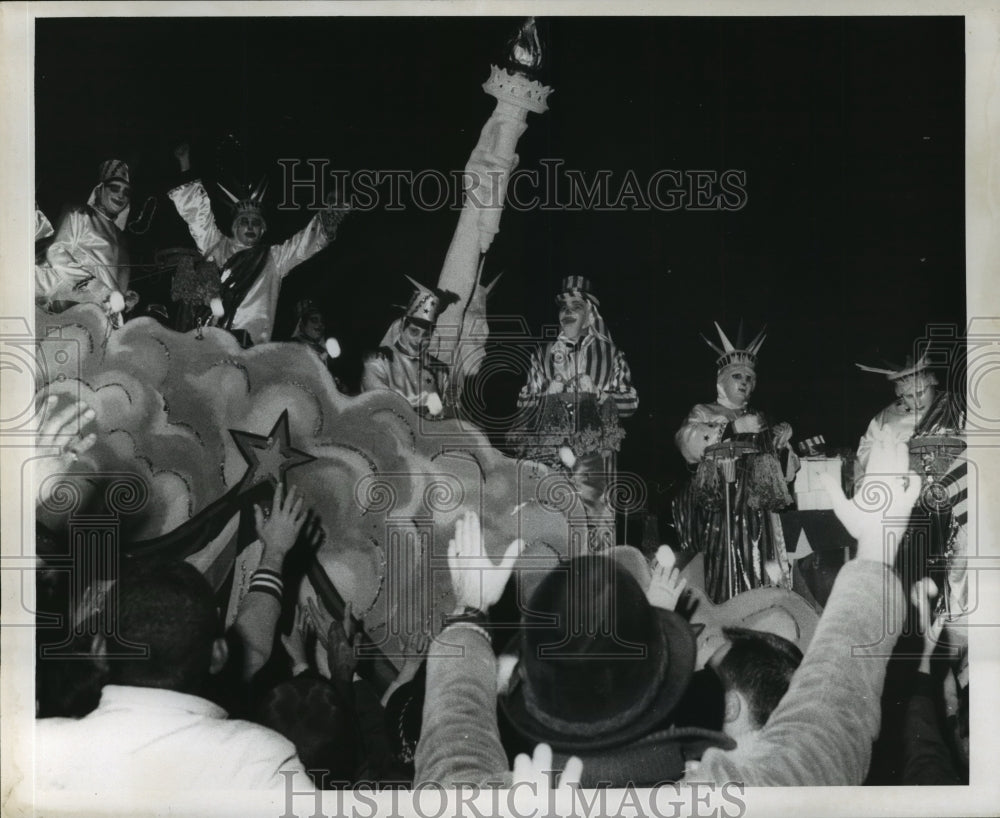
(252,272)
(742,464)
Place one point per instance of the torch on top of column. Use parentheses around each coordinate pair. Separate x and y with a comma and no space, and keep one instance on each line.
(517,81)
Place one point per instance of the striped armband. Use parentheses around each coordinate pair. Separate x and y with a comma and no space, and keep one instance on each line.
(266,581)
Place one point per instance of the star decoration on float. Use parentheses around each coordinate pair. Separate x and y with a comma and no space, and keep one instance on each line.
(269,456)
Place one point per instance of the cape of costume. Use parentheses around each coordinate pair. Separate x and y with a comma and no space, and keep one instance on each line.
(87,243)
(250,289)
(759,490)
(412,376)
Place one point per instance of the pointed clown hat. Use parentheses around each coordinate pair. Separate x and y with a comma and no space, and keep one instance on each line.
(426,304)
(737,354)
(114,169)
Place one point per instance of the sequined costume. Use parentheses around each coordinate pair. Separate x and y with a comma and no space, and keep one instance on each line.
(255,311)
(87,243)
(414,376)
(700,511)
(757,485)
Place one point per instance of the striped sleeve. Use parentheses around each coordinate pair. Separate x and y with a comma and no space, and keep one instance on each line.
(536,384)
(626,398)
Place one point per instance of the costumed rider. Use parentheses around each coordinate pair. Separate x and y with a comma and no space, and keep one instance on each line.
(747,549)
(88,259)
(578,388)
(932,423)
(252,272)
(310,331)
(402,363)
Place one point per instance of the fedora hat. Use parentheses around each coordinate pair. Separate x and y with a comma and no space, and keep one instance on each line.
(773,610)
(598,666)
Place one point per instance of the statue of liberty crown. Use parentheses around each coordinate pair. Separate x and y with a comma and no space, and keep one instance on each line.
(253,202)
(730,353)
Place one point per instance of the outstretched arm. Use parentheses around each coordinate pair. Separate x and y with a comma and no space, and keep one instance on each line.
(260,609)
(194,206)
(321,230)
(460,740)
(822,731)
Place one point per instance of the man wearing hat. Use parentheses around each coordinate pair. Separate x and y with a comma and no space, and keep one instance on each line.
(743,548)
(578,388)
(89,250)
(402,363)
(252,272)
(580,700)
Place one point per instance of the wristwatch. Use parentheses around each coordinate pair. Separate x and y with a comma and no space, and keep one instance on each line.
(468,615)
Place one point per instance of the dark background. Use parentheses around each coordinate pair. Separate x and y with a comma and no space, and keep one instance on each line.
(850,131)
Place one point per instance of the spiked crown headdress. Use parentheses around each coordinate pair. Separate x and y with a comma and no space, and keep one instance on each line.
(731,354)
(253,202)
(895,373)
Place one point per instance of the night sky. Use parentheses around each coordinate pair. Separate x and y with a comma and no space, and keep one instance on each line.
(850,132)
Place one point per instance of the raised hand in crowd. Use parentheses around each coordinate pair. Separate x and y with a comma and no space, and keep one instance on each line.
(294,642)
(536,772)
(414,649)
(879,512)
(279,529)
(923,592)
(61,431)
(475,579)
(337,638)
(667,584)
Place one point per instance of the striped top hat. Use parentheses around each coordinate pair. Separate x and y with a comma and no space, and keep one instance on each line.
(578,286)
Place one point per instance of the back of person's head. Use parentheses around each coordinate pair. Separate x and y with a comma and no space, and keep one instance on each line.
(308,712)
(599,666)
(759,666)
(170,609)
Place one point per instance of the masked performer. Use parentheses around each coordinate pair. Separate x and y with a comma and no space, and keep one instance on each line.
(743,548)
(251,271)
(88,258)
(578,388)
(311,332)
(932,422)
(402,363)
